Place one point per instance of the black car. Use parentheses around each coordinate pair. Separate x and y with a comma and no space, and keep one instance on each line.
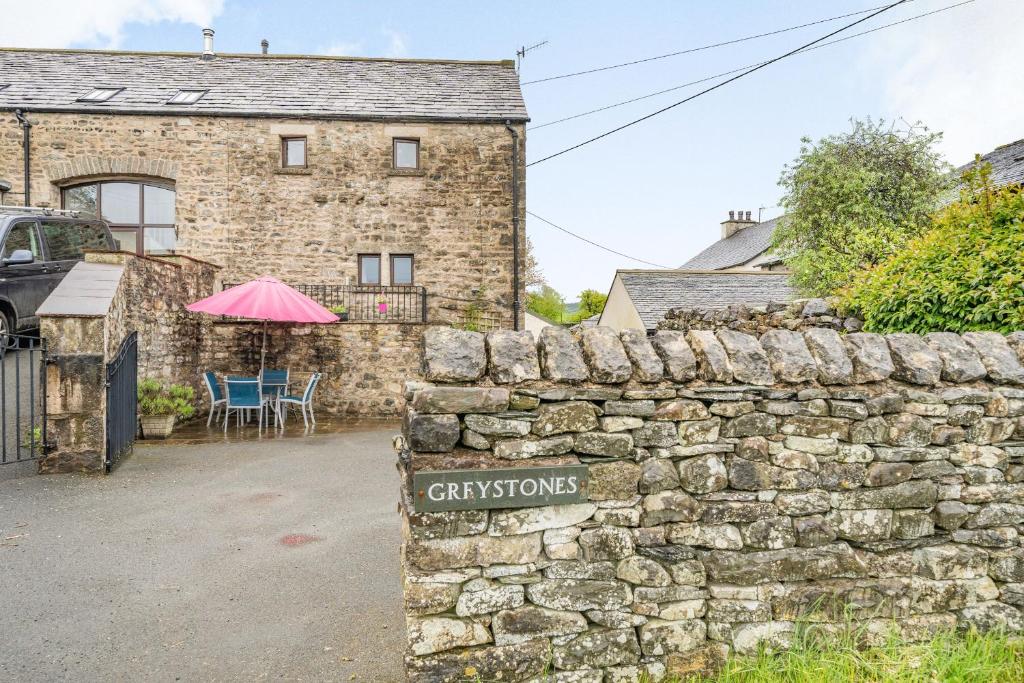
(37,249)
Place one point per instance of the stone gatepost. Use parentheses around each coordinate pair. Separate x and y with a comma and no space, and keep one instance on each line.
(74,322)
(628,507)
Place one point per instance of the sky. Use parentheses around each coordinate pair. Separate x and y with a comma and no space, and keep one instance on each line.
(658,190)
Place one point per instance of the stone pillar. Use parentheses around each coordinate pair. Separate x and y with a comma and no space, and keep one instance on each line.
(75,395)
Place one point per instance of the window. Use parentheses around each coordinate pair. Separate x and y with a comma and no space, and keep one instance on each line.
(187,96)
(100,95)
(401,269)
(22,236)
(66,241)
(369,269)
(406,153)
(141,215)
(293,152)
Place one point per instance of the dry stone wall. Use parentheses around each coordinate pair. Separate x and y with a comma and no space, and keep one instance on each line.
(736,486)
(794,315)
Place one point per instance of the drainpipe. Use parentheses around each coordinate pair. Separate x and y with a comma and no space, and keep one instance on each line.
(25,139)
(515,225)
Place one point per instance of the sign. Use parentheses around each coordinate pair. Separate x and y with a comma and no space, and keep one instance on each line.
(440,490)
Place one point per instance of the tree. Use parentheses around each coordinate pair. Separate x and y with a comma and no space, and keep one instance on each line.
(547,303)
(591,303)
(854,199)
(966,273)
(533,276)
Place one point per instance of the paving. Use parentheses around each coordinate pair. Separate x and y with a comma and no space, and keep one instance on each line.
(263,559)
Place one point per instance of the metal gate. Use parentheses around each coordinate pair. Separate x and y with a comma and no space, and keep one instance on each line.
(122,401)
(22,398)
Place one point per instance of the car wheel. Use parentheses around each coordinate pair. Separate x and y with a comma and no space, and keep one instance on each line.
(6,329)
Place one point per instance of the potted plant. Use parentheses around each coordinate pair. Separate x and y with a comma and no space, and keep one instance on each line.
(382,303)
(341,312)
(160,406)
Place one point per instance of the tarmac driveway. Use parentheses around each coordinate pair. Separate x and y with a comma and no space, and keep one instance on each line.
(275,559)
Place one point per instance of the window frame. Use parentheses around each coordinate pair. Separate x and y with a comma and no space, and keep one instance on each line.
(71,225)
(412,270)
(359,264)
(394,154)
(200,94)
(285,139)
(137,229)
(114,92)
(42,256)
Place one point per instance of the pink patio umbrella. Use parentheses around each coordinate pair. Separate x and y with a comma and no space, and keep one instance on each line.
(267,299)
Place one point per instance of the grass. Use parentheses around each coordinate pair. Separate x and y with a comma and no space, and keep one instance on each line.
(841,657)
(947,658)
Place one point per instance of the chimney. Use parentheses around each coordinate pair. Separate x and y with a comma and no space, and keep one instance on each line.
(208,43)
(737,221)
(265,45)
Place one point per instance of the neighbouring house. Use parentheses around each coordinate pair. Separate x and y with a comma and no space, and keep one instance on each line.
(1007,163)
(737,269)
(344,176)
(535,323)
(639,299)
(744,245)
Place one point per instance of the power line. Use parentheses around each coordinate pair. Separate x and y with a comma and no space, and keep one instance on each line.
(741,68)
(718,85)
(702,47)
(599,246)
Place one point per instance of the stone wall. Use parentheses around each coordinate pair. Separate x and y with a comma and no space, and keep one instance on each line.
(238,208)
(736,486)
(364,365)
(149,297)
(794,315)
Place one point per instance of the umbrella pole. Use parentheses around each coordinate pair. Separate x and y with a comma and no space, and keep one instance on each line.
(263,351)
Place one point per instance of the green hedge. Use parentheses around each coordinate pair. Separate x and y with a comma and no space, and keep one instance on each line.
(965,273)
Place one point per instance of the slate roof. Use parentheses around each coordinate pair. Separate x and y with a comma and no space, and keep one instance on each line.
(1007,164)
(653,292)
(736,249)
(262,85)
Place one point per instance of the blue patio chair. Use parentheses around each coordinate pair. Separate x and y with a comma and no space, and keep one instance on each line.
(217,399)
(244,394)
(304,402)
(275,385)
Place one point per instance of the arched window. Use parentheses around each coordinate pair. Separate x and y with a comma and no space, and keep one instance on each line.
(140,213)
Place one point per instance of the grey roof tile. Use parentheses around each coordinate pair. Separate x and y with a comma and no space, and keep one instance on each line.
(324,87)
(654,292)
(1007,163)
(738,248)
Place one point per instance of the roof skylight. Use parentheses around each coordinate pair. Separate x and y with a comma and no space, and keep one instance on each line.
(3,86)
(100,95)
(187,97)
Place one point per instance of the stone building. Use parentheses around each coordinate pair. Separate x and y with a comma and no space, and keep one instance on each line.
(345,174)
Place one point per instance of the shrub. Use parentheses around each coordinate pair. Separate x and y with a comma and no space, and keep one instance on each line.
(966,273)
(157,399)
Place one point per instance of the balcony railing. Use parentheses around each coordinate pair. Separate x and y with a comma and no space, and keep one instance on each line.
(369,303)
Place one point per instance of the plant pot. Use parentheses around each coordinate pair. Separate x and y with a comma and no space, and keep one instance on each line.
(157,426)
(343,317)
